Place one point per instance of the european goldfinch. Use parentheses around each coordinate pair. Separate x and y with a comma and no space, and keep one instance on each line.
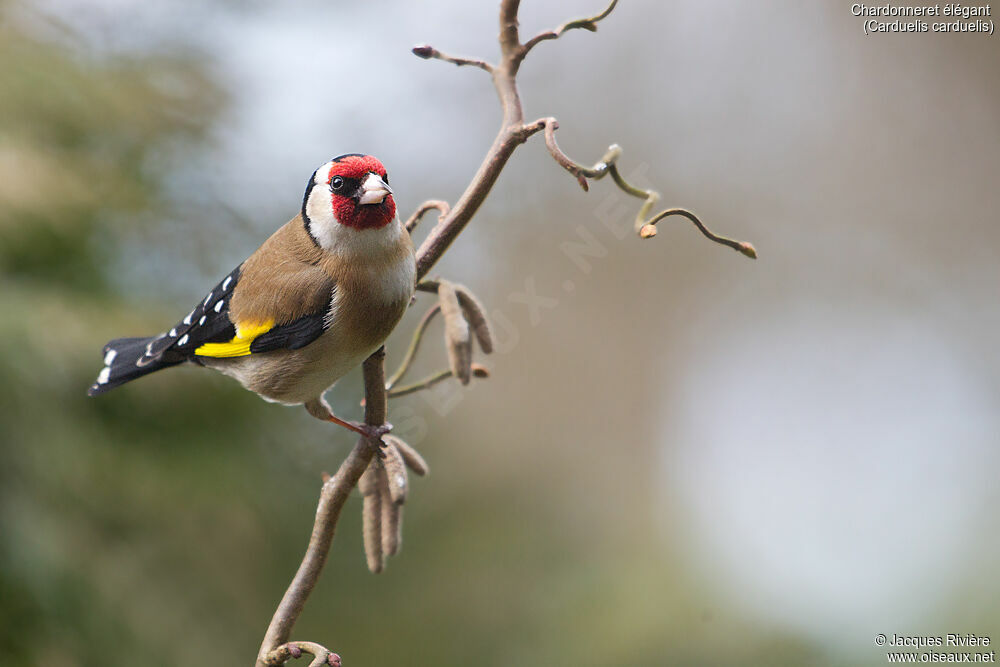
(309,305)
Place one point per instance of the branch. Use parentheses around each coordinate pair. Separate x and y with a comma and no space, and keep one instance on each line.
(428,382)
(461,311)
(331,501)
(648,230)
(589,23)
(429,52)
(608,164)
(441,206)
(411,352)
(285,652)
(512,133)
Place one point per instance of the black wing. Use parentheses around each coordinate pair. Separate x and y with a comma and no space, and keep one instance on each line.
(208,322)
(292,336)
(126,359)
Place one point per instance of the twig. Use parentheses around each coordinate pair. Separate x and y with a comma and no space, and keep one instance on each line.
(474,311)
(512,133)
(474,315)
(411,351)
(431,380)
(608,164)
(648,230)
(426,383)
(429,52)
(442,208)
(285,652)
(331,501)
(589,23)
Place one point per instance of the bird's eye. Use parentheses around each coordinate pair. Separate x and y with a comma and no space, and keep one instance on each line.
(336,183)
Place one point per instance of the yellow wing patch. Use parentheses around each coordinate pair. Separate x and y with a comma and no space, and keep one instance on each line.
(239,346)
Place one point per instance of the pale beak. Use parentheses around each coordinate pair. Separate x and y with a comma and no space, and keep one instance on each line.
(374,190)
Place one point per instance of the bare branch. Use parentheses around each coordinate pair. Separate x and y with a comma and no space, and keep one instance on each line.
(588,23)
(648,229)
(331,501)
(471,307)
(442,207)
(478,371)
(415,341)
(578,170)
(645,226)
(428,52)
(474,314)
(512,133)
(285,652)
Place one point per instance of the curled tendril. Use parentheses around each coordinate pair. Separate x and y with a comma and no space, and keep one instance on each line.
(645,226)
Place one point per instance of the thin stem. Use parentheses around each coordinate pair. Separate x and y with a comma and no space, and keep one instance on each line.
(739,246)
(428,52)
(588,23)
(581,173)
(426,383)
(411,351)
(285,652)
(509,137)
(442,207)
(478,371)
(645,226)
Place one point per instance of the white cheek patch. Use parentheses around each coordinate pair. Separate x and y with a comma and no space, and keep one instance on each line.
(319,209)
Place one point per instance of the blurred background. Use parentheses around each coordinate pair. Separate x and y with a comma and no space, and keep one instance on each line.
(681,457)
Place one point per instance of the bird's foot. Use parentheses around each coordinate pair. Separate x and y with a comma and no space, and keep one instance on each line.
(371,433)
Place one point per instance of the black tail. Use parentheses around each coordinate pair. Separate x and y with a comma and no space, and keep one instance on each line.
(121,363)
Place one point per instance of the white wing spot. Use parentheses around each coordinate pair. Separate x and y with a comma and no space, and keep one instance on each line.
(110,356)
(202,320)
(187,320)
(183,340)
(218,306)
(102,377)
(173,333)
(207,299)
(225,284)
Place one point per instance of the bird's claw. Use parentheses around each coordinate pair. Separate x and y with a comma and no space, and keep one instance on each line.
(374,434)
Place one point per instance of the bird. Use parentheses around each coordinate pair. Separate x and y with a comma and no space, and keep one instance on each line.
(310,304)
